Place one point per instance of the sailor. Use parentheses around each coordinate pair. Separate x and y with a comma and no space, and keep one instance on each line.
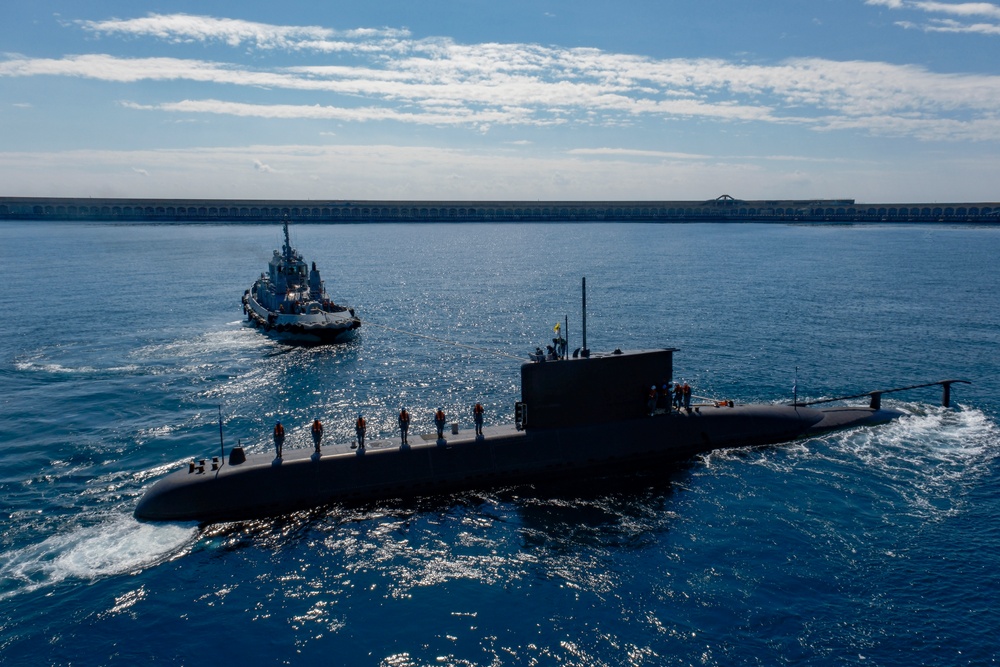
(404,425)
(317,433)
(678,395)
(279,437)
(651,403)
(687,396)
(439,420)
(664,399)
(359,428)
(477,416)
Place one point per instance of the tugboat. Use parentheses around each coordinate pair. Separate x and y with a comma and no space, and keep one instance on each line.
(290,302)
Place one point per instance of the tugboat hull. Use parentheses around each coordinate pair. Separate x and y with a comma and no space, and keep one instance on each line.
(309,328)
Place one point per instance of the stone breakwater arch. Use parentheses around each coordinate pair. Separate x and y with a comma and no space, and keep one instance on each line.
(721,209)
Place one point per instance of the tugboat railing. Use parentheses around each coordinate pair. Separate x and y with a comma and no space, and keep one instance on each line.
(876,396)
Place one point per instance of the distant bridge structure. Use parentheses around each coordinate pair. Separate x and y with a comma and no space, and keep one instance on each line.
(721,209)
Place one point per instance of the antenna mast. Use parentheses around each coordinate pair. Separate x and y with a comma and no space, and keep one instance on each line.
(222,442)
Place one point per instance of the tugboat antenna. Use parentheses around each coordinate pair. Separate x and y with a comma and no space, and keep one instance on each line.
(584,351)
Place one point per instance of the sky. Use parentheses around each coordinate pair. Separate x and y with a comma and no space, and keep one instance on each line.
(872,100)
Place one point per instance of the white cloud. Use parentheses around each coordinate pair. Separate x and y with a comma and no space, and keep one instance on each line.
(630,152)
(959,9)
(391,77)
(962,10)
(235,32)
(948,25)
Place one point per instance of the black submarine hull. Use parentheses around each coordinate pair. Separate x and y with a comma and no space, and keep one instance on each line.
(263,486)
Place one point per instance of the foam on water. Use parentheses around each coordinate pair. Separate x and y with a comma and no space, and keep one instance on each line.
(234,338)
(37,365)
(937,439)
(117,545)
(930,458)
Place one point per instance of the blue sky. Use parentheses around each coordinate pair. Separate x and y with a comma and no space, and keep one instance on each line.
(875,100)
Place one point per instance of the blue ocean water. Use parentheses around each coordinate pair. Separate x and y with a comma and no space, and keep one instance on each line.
(877,546)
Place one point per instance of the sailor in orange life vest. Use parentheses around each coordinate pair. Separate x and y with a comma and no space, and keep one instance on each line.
(317,431)
(651,402)
(359,428)
(279,437)
(404,425)
(477,416)
(439,420)
(678,395)
(687,396)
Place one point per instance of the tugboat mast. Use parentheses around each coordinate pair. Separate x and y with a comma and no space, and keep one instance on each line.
(288,243)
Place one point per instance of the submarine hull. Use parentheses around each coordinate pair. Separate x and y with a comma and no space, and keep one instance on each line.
(264,486)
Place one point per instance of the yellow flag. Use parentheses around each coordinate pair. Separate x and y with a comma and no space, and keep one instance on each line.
(557,327)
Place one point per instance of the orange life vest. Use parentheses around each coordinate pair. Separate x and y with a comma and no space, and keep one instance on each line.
(478,409)
(361,424)
(439,416)
(404,417)
(279,430)
(317,427)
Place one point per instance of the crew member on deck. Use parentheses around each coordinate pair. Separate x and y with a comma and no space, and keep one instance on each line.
(439,420)
(359,428)
(687,396)
(651,401)
(279,437)
(664,399)
(477,416)
(404,425)
(678,395)
(317,432)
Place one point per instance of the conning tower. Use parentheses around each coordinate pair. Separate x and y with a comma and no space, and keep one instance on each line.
(592,390)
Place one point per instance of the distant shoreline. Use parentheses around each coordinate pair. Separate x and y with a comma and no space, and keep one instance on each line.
(722,209)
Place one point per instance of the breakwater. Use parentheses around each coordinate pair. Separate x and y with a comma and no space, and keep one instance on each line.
(721,209)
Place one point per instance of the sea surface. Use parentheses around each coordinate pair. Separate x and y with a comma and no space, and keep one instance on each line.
(120,345)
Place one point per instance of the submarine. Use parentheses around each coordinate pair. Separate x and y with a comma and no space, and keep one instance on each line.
(579,418)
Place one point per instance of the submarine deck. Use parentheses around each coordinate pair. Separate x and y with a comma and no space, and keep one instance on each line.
(264,485)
